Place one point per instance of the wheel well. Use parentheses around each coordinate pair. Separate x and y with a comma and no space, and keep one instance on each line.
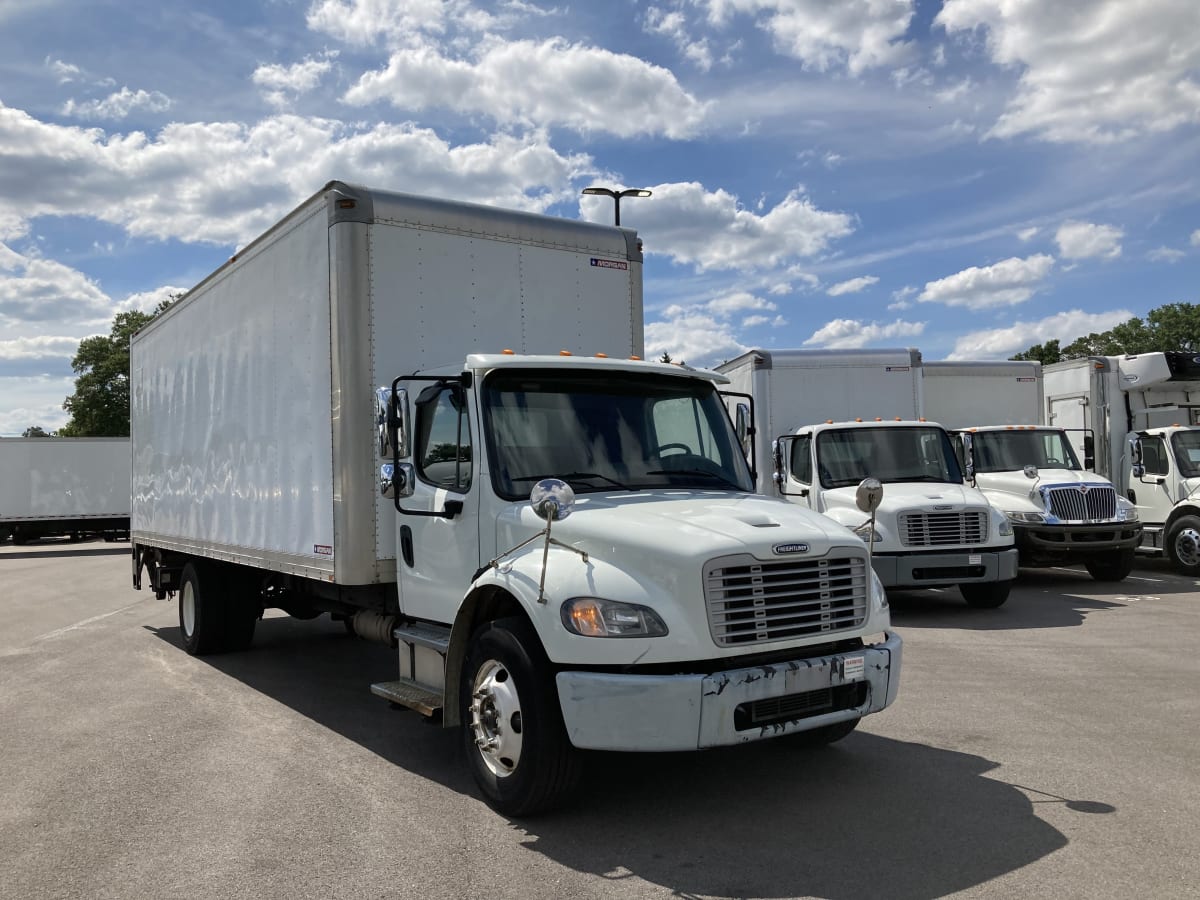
(1177,513)
(486,604)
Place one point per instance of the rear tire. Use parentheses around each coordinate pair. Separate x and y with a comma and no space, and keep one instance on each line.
(985,594)
(1183,545)
(201,611)
(513,733)
(1112,567)
(243,609)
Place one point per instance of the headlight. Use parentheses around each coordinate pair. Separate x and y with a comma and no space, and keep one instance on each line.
(878,590)
(1126,511)
(868,534)
(595,617)
(1025,518)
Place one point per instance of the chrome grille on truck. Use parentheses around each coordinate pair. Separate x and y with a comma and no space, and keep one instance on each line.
(1082,503)
(750,601)
(937,529)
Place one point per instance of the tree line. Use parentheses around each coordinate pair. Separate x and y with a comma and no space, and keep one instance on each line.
(1175,326)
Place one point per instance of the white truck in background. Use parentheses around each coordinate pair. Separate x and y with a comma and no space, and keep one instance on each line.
(1144,411)
(1061,513)
(839,416)
(565,550)
(64,487)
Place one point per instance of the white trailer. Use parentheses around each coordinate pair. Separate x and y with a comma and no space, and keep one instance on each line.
(1144,411)
(53,487)
(1061,513)
(839,416)
(317,429)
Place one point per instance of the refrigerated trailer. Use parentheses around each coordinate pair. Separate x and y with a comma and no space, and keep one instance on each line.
(1061,512)
(64,487)
(430,419)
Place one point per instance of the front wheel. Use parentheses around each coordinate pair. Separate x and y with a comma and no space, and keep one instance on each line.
(1114,567)
(1183,545)
(513,734)
(986,594)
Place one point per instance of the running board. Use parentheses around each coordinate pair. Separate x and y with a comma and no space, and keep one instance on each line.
(408,693)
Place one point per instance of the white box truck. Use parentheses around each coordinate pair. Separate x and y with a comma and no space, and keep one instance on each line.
(1143,410)
(1061,512)
(565,550)
(64,487)
(840,416)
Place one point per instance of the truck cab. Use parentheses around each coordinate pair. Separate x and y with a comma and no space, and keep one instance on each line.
(1164,487)
(930,530)
(1061,513)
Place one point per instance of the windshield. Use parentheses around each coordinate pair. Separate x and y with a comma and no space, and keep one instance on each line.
(1010,451)
(1187,452)
(601,431)
(846,457)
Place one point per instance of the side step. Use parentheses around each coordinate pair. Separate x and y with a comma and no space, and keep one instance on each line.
(408,693)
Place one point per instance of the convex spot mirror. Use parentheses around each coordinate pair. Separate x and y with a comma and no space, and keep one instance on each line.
(869,494)
(1030,471)
(552,499)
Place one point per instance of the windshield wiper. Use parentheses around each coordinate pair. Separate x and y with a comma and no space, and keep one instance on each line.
(704,473)
(576,476)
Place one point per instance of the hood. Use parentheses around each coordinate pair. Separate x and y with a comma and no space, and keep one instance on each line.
(905,495)
(1008,488)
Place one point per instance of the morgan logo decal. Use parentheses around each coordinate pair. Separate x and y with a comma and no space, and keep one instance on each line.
(781,549)
(610,264)
(322,550)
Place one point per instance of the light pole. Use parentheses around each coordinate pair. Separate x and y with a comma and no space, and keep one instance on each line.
(617,195)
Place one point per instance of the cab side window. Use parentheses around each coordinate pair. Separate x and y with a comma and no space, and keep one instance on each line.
(1154,456)
(801,462)
(443,447)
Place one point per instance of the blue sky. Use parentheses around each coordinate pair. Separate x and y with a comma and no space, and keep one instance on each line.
(968,177)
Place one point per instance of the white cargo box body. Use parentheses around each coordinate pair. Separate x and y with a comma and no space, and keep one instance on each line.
(802,387)
(44,479)
(964,394)
(253,399)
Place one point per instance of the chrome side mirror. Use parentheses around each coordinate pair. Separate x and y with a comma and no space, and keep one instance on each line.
(552,499)
(383,399)
(869,495)
(1139,471)
(392,422)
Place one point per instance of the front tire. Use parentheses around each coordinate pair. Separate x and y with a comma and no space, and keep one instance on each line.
(1183,545)
(986,594)
(201,611)
(513,733)
(1115,567)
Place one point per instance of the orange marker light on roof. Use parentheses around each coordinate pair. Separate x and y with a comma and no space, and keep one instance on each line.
(601,356)
(507,352)
(564,352)
(638,358)
(858,419)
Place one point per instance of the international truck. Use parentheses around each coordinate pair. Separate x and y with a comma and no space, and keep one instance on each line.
(399,411)
(1061,512)
(839,416)
(1143,410)
(64,487)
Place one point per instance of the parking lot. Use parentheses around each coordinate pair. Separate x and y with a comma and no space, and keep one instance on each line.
(1044,749)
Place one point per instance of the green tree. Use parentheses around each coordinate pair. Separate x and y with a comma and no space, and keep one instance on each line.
(1046,353)
(99,407)
(36,431)
(1175,326)
(666,357)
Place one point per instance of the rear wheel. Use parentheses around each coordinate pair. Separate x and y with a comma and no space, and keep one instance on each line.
(201,611)
(1183,545)
(243,609)
(1112,567)
(985,594)
(513,734)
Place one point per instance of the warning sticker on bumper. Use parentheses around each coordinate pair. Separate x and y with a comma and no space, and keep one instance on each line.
(853,667)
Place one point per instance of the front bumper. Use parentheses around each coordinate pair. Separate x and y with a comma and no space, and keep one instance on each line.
(1077,540)
(632,712)
(917,570)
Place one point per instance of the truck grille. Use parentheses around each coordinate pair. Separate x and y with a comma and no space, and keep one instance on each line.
(1071,504)
(752,602)
(920,529)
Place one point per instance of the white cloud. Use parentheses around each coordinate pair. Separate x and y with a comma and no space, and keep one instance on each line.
(1195,239)
(362,22)
(586,89)
(848,334)
(755,321)
(711,230)
(42,290)
(1165,254)
(39,348)
(1083,240)
(1025,235)
(673,25)
(853,286)
(859,34)
(41,402)
(65,72)
(739,301)
(281,83)
(118,105)
(1064,327)
(697,339)
(1006,283)
(1096,71)
(183,172)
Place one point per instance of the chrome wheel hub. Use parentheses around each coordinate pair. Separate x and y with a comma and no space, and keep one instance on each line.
(496,722)
(1187,547)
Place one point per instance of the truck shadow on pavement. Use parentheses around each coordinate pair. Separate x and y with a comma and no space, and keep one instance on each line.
(869,816)
(1040,598)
